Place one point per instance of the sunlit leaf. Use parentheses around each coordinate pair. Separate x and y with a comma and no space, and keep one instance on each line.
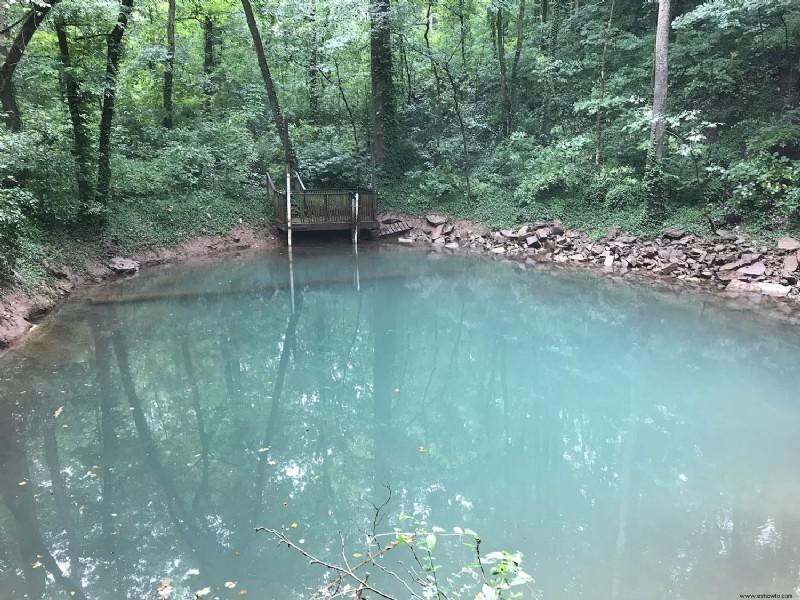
(58,412)
(192,572)
(230,584)
(204,592)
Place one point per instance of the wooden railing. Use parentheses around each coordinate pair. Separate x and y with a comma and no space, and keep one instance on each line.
(326,208)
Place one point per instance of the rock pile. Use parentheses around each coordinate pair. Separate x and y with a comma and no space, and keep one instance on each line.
(728,261)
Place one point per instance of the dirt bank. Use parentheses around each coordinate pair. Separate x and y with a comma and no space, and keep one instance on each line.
(20,311)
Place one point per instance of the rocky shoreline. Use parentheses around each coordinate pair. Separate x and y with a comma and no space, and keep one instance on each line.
(728,264)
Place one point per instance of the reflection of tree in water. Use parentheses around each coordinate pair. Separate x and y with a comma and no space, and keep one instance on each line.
(533,425)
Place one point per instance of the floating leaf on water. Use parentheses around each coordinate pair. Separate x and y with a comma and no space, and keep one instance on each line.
(204,592)
(272,463)
(23,482)
(243,592)
(192,572)
(301,541)
(165,589)
(422,449)
(263,449)
(37,564)
(357,555)
(436,529)
(58,412)
(294,525)
(458,530)
(230,584)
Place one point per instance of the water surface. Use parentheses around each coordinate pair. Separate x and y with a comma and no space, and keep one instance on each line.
(631,444)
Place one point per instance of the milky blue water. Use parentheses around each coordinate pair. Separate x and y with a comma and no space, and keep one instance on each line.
(630,443)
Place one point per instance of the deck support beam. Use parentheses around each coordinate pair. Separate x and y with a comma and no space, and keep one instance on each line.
(289,206)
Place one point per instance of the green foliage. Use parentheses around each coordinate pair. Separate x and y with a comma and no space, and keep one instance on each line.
(14,203)
(498,573)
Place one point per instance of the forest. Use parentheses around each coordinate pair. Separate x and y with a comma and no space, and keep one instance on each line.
(145,122)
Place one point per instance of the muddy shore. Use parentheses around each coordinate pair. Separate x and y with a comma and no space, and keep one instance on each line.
(727,265)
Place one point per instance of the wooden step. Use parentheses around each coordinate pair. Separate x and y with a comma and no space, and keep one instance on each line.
(395,228)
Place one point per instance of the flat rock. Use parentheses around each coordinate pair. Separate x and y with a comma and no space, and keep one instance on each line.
(774,289)
(123,266)
(451,245)
(737,285)
(404,240)
(436,219)
(674,233)
(437,232)
(757,269)
(788,243)
(609,261)
(532,240)
(626,239)
(727,275)
(667,269)
(790,264)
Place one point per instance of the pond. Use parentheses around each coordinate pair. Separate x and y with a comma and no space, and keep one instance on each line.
(630,443)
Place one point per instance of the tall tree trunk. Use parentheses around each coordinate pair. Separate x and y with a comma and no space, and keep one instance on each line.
(599,126)
(462,127)
(505,103)
(11,57)
(208,62)
(660,83)
(75,104)
(169,65)
(347,106)
(114,42)
(517,52)
(381,104)
(435,72)
(313,66)
(556,10)
(277,116)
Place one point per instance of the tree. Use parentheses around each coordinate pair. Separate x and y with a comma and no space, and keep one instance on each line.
(12,56)
(169,65)
(75,103)
(381,103)
(280,124)
(654,175)
(660,80)
(114,43)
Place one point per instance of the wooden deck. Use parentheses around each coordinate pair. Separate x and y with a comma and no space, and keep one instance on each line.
(321,210)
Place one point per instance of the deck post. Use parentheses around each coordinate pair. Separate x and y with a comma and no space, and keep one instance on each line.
(355,220)
(291,277)
(289,211)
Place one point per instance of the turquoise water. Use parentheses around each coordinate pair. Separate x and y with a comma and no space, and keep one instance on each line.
(630,443)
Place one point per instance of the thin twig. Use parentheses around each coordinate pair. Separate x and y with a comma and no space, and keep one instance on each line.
(343,573)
